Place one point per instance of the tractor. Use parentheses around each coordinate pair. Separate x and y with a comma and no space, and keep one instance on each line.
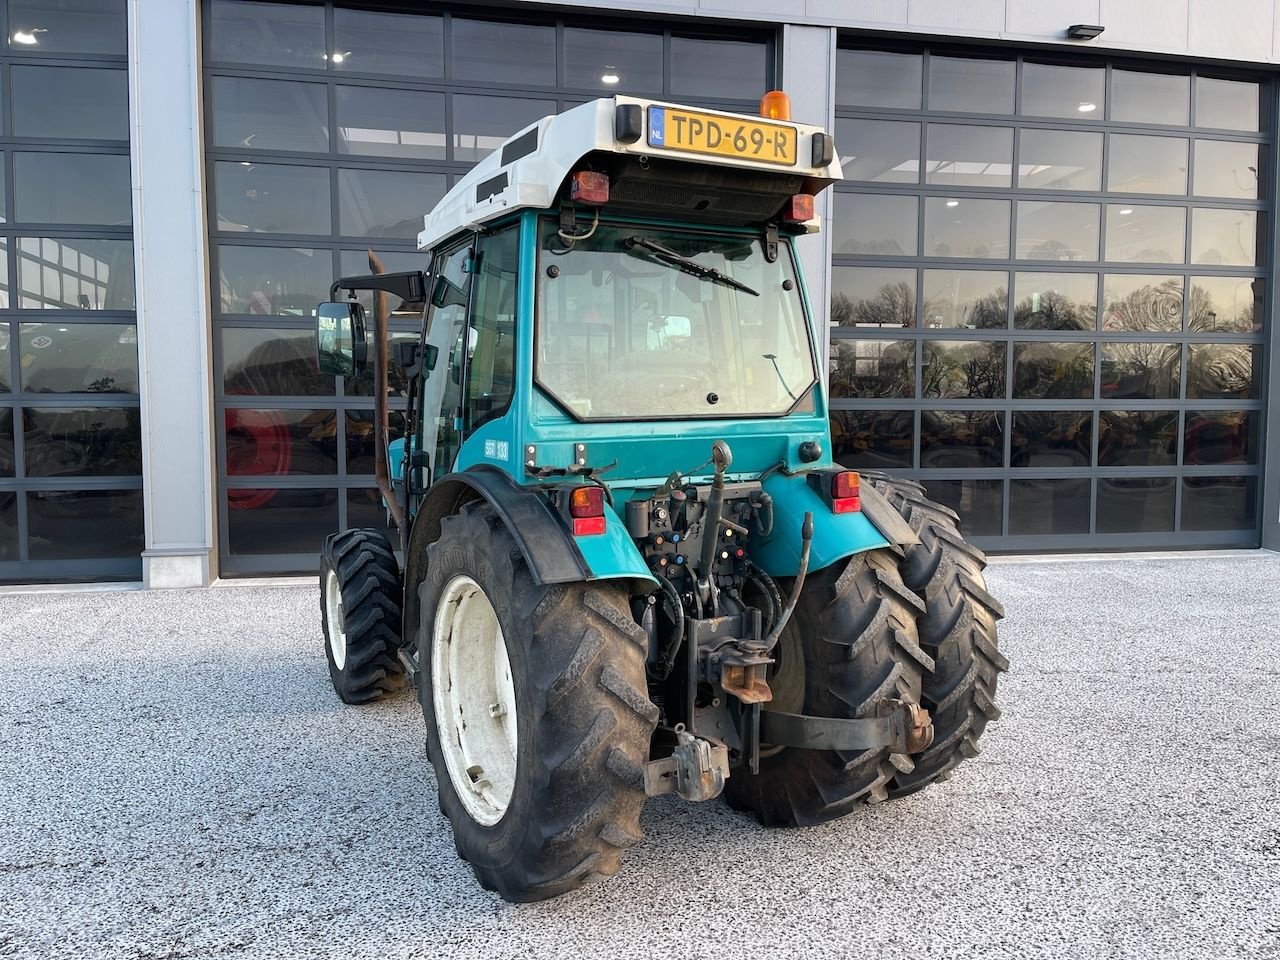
(625,563)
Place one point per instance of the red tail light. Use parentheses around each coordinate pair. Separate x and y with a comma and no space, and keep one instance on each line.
(586,509)
(799,209)
(846,493)
(589,187)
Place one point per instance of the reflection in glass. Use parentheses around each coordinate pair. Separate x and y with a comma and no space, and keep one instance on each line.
(8,525)
(1226,169)
(397,383)
(963,369)
(377,122)
(1137,438)
(1226,304)
(962,227)
(613,60)
(356,262)
(75,274)
(386,203)
(82,441)
(276,363)
(270,115)
(875,78)
(265,521)
(495,52)
(872,438)
(873,368)
(278,443)
(4,357)
(1046,438)
(1150,97)
(71,103)
(72,188)
(84,524)
(1227,237)
(271,198)
(1049,90)
(481,124)
(874,223)
(79,358)
(1145,234)
(1141,371)
(971,86)
(67,26)
(1219,503)
(873,297)
(264,281)
(966,299)
(401,44)
(1147,164)
(1227,104)
(1049,230)
(1141,303)
(958,155)
(717,68)
(1223,371)
(1220,436)
(1047,507)
(360,446)
(1043,370)
(286,35)
(980,503)
(1055,301)
(1059,160)
(879,151)
(950,439)
(6,445)
(1135,504)
(365,510)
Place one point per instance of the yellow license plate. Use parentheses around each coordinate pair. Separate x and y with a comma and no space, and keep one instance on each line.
(673,129)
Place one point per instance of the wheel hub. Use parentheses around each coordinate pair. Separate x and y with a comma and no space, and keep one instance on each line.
(333,614)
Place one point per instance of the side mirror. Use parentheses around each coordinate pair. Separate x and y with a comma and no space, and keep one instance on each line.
(341,346)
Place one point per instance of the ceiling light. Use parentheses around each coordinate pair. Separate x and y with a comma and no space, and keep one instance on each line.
(1126,211)
(953,203)
(1085,31)
(27,37)
(1087,106)
(609,76)
(338,56)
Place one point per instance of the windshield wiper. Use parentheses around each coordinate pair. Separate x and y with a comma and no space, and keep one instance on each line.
(687,264)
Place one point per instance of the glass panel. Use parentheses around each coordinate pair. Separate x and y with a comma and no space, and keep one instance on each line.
(966,299)
(270,115)
(84,524)
(1220,436)
(874,223)
(271,198)
(72,188)
(375,122)
(968,156)
(729,69)
(971,86)
(1137,438)
(872,438)
(873,297)
(61,102)
(980,503)
(6,446)
(79,358)
(4,357)
(67,26)
(1227,104)
(1045,438)
(1059,160)
(397,384)
(278,443)
(613,60)
(1227,237)
(279,521)
(1226,304)
(1048,230)
(8,526)
(75,274)
(264,362)
(950,439)
(1049,90)
(481,124)
(1135,504)
(1141,371)
(395,43)
(956,227)
(1150,98)
(874,78)
(1141,303)
(1046,507)
(383,203)
(277,34)
(520,54)
(1226,169)
(82,441)
(284,281)
(873,368)
(1219,503)
(1223,371)
(963,369)
(1146,234)
(356,262)
(365,509)
(880,151)
(1055,301)
(1043,370)
(1147,164)
(360,446)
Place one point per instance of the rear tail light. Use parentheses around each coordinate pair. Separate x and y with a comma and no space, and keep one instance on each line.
(799,209)
(846,493)
(589,187)
(586,510)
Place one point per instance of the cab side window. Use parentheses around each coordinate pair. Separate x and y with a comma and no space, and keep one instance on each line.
(491,366)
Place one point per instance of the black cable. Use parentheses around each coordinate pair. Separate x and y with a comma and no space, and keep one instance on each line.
(667,661)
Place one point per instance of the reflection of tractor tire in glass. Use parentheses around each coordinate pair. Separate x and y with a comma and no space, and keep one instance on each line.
(538,720)
(958,630)
(259,444)
(360,610)
(850,644)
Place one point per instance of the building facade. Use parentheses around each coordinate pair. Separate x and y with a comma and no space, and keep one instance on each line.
(1047,281)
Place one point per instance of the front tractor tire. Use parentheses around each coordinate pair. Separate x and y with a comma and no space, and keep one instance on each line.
(538,721)
(360,610)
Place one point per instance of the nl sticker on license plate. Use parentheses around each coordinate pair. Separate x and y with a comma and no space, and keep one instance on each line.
(723,136)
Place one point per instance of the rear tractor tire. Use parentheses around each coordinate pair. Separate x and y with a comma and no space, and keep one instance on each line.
(360,608)
(538,720)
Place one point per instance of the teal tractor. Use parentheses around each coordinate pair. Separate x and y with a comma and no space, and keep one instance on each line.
(629,566)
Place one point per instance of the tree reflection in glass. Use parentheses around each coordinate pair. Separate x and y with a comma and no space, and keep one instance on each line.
(1142,303)
(963,368)
(873,297)
(1053,371)
(873,368)
(1141,371)
(1226,305)
(1055,301)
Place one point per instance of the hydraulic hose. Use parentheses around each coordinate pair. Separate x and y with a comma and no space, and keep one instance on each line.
(768,589)
(662,669)
(806,539)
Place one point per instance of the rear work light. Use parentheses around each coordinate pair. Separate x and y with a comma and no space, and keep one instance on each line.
(589,187)
(586,510)
(799,209)
(846,495)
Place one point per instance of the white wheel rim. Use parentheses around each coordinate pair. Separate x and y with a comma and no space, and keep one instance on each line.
(474,700)
(333,613)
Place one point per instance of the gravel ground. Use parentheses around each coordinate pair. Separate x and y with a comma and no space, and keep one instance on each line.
(177,779)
